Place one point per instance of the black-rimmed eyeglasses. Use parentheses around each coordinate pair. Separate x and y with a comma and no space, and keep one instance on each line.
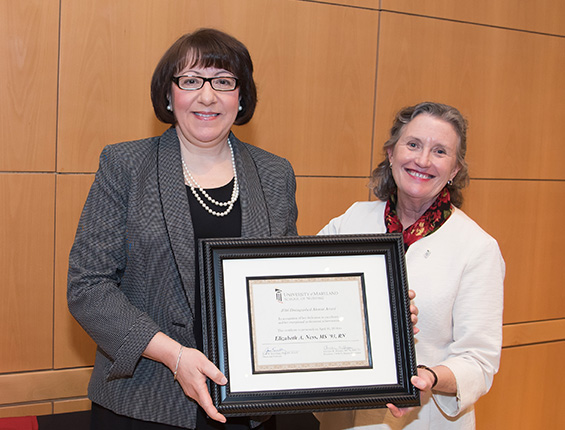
(192,83)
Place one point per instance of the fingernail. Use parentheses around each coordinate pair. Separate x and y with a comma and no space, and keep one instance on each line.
(224,381)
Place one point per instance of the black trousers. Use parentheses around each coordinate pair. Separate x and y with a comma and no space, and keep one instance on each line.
(105,419)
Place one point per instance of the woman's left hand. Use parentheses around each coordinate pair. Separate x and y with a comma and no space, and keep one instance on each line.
(422,383)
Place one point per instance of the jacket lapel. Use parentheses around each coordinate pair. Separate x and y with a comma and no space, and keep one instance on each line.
(254,211)
(176,210)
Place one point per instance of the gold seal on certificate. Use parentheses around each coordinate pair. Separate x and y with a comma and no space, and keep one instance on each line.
(312,322)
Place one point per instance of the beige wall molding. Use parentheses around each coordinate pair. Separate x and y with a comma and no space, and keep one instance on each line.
(39,386)
(533,333)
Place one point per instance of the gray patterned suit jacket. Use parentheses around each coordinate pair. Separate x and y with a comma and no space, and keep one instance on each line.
(131,268)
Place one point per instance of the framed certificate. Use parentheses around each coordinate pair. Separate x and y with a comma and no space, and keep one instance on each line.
(311,323)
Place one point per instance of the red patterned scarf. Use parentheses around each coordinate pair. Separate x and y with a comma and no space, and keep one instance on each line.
(430,221)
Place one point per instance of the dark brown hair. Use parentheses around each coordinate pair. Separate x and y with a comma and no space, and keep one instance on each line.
(382,182)
(206,47)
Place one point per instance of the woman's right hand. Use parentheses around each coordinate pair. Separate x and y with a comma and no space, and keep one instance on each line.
(193,370)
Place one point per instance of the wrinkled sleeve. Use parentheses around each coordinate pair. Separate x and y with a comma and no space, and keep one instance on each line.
(96,265)
(474,354)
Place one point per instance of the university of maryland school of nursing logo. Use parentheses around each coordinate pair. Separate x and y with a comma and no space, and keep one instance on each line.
(278,295)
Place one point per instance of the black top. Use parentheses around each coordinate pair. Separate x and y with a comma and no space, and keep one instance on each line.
(208,226)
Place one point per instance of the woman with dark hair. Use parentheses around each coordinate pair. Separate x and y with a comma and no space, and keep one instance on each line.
(455,268)
(133,280)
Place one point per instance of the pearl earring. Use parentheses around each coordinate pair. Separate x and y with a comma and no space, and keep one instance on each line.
(169,107)
(240,108)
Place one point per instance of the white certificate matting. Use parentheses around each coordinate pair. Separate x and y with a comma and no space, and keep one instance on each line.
(242,375)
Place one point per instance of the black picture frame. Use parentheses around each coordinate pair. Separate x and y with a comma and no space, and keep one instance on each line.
(225,267)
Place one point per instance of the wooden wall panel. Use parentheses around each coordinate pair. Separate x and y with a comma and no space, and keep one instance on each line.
(321,199)
(526,393)
(108,53)
(504,81)
(316,72)
(306,75)
(26,265)
(524,217)
(28,84)
(544,16)
(72,346)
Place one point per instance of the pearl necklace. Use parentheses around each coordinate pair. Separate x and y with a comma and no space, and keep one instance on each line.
(193,185)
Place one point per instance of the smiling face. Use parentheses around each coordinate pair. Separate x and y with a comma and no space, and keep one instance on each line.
(204,117)
(423,160)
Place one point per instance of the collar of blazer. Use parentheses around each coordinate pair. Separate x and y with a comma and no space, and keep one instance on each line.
(174,201)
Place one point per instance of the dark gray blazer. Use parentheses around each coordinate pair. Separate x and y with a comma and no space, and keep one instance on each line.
(131,268)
